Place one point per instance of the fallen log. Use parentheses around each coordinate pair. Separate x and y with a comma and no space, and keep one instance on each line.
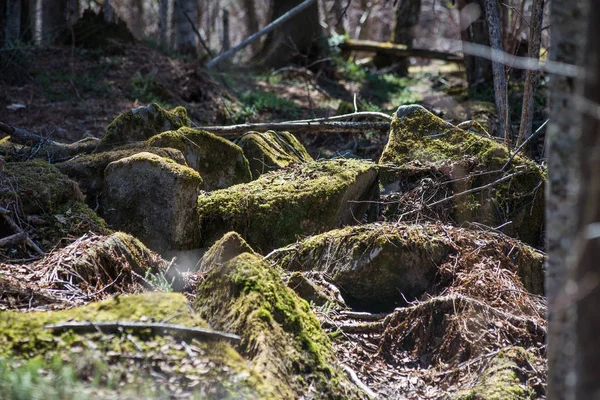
(398,50)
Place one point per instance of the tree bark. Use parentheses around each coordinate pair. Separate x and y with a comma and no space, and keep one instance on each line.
(407,17)
(296,41)
(498,69)
(137,18)
(185,36)
(163,24)
(475,30)
(12,27)
(567,23)
(251,21)
(226,45)
(338,13)
(531,77)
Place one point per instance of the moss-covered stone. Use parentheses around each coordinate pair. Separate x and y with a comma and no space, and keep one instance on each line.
(280,335)
(88,170)
(298,200)
(310,292)
(229,246)
(220,162)
(270,150)
(419,139)
(154,199)
(504,378)
(142,123)
(130,362)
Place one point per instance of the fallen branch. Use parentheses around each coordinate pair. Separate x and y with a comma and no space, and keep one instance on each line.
(180,331)
(370,327)
(355,379)
(6,214)
(260,33)
(361,114)
(13,239)
(23,136)
(322,127)
(398,50)
(365,316)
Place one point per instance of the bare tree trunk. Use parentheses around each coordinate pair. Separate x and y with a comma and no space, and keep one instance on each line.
(137,18)
(567,23)
(186,37)
(226,41)
(531,77)
(163,25)
(54,18)
(498,69)
(72,11)
(295,41)
(338,13)
(12,27)
(407,17)
(474,30)
(108,11)
(251,21)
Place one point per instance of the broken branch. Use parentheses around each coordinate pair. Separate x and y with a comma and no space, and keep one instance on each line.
(323,127)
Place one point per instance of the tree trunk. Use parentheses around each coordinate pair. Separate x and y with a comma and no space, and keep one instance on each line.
(474,30)
(531,77)
(338,13)
(567,34)
(72,11)
(137,18)
(108,10)
(407,17)
(251,21)
(186,41)
(12,27)
(498,69)
(226,45)
(295,41)
(163,24)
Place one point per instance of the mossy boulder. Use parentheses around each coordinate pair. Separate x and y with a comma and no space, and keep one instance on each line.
(142,123)
(504,378)
(301,199)
(133,363)
(229,246)
(380,266)
(154,199)
(220,162)
(88,170)
(270,150)
(280,335)
(38,191)
(431,156)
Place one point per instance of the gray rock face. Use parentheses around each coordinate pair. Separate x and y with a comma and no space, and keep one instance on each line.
(154,199)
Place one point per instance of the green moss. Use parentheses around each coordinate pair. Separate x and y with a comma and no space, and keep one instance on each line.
(503,379)
(217,371)
(267,151)
(220,162)
(419,137)
(299,200)
(226,248)
(279,333)
(142,123)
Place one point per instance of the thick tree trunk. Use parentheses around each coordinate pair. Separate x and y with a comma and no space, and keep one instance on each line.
(251,21)
(295,41)
(531,77)
(186,41)
(568,21)
(226,41)
(12,27)
(498,69)
(407,17)
(474,30)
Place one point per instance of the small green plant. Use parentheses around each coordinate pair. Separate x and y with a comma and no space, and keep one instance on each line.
(62,85)
(159,281)
(253,102)
(145,89)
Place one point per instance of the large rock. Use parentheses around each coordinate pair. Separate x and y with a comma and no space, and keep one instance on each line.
(104,363)
(142,123)
(88,170)
(380,266)
(280,335)
(51,203)
(229,246)
(428,158)
(299,200)
(270,150)
(220,162)
(154,199)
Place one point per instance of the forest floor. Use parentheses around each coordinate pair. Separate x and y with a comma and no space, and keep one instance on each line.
(70,93)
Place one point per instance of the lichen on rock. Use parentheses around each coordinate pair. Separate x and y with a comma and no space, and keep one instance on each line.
(220,162)
(270,150)
(142,123)
(299,200)
(281,337)
(461,161)
(154,199)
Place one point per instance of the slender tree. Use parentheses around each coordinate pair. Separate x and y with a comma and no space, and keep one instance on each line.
(137,18)
(568,21)
(12,26)
(251,20)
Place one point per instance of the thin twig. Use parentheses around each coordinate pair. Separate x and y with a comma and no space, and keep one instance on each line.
(181,331)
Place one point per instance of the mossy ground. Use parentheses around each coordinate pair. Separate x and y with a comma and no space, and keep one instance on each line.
(126,362)
(279,333)
(299,200)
